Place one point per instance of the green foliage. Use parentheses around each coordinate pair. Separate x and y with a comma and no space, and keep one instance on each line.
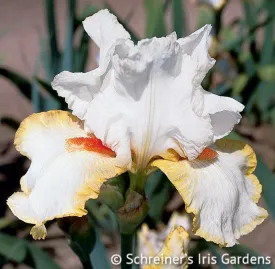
(238,251)
(22,83)
(10,122)
(81,237)
(54,53)
(206,16)
(178,18)
(155,25)
(99,255)
(21,251)
(53,59)
(134,36)
(158,189)
(242,251)
(254,68)
(267,179)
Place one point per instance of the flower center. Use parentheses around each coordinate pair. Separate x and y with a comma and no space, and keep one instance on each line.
(88,144)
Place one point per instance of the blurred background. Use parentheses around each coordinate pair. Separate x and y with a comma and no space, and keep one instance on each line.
(40,38)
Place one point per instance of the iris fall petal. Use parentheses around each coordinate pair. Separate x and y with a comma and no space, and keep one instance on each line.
(68,167)
(221,192)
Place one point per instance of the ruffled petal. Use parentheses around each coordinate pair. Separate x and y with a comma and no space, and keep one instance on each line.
(224,113)
(221,192)
(41,137)
(173,254)
(145,108)
(105,31)
(79,89)
(153,95)
(197,46)
(68,167)
(150,99)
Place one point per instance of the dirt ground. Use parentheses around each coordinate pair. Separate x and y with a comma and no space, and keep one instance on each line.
(21,27)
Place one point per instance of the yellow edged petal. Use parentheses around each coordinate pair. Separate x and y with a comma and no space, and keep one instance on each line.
(174,251)
(222,192)
(59,181)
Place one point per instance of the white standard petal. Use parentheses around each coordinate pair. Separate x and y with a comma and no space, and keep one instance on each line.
(105,31)
(197,45)
(79,89)
(221,192)
(224,112)
(155,102)
(68,167)
(150,99)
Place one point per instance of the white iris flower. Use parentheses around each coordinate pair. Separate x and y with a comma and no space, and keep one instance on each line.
(142,109)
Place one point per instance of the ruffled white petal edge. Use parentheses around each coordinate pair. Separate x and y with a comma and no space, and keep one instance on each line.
(196,46)
(79,89)
(105,30)
(224,112)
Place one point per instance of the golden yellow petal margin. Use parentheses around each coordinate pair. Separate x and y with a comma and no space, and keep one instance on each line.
(51,118)
(89,190)
(226,145)
(230,146)
(23,185)
(79,212)
(180,235)
(39,230)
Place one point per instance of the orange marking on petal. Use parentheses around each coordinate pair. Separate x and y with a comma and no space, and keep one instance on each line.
(88,144)
(208,154)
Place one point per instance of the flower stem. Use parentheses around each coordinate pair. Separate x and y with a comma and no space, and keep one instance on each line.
(87,265)
(137,182)
(127,242)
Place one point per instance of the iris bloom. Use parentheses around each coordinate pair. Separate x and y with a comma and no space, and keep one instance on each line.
(171,250)
(151,242)
(142,109)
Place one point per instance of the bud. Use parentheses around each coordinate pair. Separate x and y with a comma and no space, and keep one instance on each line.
(133,212)
(112,193)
